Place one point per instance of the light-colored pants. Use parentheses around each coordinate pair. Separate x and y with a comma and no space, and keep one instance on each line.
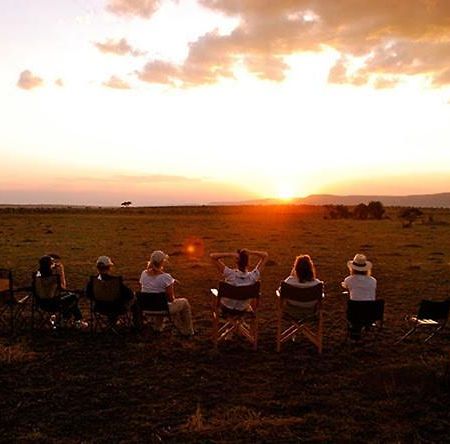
(180,312)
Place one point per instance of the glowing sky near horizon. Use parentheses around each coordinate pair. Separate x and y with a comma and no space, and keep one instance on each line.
(193,101)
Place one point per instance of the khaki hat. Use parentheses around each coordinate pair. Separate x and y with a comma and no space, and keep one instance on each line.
(359,263)
(105,260)
(158,257)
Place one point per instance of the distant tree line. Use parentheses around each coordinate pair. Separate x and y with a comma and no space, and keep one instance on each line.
(374,210)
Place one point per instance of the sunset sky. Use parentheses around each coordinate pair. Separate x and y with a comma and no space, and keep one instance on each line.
(192,101)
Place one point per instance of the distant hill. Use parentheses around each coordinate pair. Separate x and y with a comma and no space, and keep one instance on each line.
(415,200)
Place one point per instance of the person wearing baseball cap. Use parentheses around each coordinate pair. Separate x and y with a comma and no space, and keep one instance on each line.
(104,265)
(155,280)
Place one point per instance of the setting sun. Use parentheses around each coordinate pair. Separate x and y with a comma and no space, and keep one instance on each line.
(285,192)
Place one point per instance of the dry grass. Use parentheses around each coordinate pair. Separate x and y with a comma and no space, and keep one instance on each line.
(71,388)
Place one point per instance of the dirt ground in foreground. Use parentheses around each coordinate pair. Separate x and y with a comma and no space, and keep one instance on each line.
(70,387)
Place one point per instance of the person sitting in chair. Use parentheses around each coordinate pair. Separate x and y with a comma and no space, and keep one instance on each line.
(104,265)
(155,280)
(303,275)
(240,275)
(51,265)
(360,285)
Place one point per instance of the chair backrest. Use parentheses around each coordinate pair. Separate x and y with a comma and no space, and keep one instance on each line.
(435,310)
(106,290)
(6,281)
(301,294)
(365,311)
(152,301)
(46,288)
(239,293)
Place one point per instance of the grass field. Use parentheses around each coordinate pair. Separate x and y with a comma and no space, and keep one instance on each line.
(72,388)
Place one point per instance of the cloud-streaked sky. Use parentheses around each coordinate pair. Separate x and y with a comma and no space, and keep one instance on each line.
(191,101)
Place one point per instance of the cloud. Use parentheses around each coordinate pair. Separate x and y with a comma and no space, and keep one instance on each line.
(140,8)
(159,71)
(116,83)
(27,80)
(393,39)
(118,47)
(59,82)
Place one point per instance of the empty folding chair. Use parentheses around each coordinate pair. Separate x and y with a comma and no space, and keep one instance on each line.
(432,316)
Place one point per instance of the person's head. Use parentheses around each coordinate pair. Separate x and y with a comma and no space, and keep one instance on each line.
(360,265)
(157,260)
(304,268)
(46,265)
(242,260)
(104,264)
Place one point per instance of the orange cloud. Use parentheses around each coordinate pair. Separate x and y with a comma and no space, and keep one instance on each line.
(27,80)
(116,83)
(142,8)
(119,47)
(405,37)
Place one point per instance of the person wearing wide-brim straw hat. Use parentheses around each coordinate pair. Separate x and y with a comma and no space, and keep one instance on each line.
(360,284)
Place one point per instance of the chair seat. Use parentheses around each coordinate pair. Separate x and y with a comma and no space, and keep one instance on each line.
(424,321)
(231,313)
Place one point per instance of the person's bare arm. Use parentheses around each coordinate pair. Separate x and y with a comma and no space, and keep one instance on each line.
(170,292)
(59,267)
(262,255)
(218,262)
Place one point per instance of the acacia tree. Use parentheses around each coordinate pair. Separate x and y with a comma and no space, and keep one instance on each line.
(410,215)
(126,204)
(376,209)
(361,211)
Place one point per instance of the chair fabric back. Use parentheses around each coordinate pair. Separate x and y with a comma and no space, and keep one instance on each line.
(435,310)
(106,290)
(152,301)
(47,288)
(6,281)
(301,294)
(239,293)
(365,311)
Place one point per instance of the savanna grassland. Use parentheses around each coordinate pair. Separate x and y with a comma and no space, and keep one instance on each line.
(73,388)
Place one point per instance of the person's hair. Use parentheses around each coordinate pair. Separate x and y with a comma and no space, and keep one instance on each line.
(304,268)
(45,266)
(103,268)
(152,265)
(363,273)
(242,260)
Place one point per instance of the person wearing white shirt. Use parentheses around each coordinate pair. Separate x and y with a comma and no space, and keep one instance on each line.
(360,284)
(155,280)
(240,275)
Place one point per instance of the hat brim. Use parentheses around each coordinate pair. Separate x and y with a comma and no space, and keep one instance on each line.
(352,266)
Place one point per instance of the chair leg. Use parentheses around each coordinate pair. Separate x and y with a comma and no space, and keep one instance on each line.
(279,332)
(408,333)
(255,333)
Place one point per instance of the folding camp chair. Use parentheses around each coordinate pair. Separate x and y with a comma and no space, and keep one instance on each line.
(364,316)
(6,300)
(300,317)
(152,304)
(432,315)
(46,306)
(245,322)
(107,306)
